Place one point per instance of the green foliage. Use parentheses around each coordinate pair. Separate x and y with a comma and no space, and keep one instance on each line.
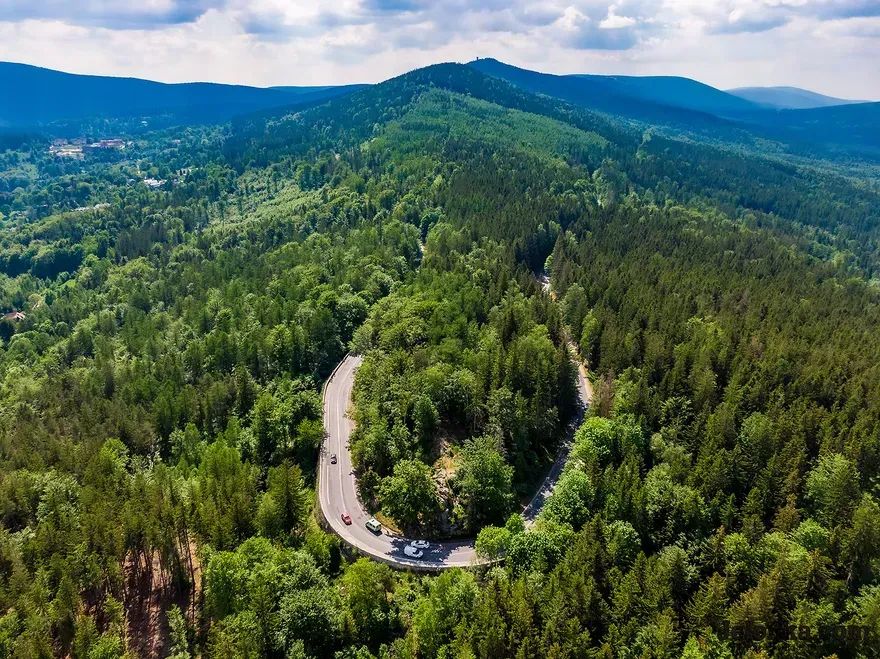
(833,488)
(437,614)
(162,416)
(225,489)
(538,550)
(312,617)
(484,482)
(236,636)
(179,635)
(571,500)
(409,496)
(493,542)
(864,618)
(285,503)
(291,599)
(365,588)
(622,543)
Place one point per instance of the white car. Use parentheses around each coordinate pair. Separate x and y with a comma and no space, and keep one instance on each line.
(412,552)
(420,544)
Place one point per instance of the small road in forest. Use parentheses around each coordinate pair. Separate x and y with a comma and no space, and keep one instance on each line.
(338,492)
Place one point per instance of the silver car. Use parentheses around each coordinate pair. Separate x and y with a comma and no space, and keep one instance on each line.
(412,552)
(420,544)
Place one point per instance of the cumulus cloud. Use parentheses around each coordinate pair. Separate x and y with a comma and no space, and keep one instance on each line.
(613,21)
(117,14)
(842,9)
(611,32)
(740,22)
(732,16)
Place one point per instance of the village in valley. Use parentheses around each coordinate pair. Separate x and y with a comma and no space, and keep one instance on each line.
(79,147)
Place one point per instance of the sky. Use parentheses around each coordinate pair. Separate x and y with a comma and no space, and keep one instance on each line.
(830,46)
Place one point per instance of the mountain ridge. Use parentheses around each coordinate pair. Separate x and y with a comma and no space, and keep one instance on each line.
(672,91)
(790,98)
(56,101)
(832,131)
(44,96)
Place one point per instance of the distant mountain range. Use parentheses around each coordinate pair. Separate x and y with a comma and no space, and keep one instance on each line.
(35,96)
(685,104)
(799,120)
(658,99)
(788,98)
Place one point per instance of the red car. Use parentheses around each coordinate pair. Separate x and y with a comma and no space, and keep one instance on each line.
(346,518)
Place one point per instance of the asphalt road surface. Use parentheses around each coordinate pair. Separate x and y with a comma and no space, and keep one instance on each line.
(337,490)
(337,485)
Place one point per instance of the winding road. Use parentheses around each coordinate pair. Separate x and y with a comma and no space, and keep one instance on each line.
(337,483)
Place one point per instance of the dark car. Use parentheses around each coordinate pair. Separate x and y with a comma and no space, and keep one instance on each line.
(333,458)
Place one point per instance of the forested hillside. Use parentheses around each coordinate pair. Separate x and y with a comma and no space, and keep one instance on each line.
(161,386)
(803,125)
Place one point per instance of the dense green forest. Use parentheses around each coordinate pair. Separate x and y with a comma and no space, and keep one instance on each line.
(459,354)
(161,406)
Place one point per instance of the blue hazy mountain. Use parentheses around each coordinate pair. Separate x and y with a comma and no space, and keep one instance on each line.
(619,93)
(672,91)
(684,104)
(34,96)
(850,128)
(788,98)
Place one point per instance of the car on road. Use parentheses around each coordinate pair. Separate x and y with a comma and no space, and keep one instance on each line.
(374,525)
(333,458)
(413,552)
(420,544)
(346,518)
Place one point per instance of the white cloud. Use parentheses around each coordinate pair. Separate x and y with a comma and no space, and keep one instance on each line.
(613,21)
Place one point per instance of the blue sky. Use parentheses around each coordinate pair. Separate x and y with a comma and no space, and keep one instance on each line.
(832,46)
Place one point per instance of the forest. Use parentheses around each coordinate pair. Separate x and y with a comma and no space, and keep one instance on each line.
(161,389)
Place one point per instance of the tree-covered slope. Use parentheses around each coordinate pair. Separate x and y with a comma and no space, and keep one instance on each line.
(161,395)
(834,130)
(685,106)
(839,213)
